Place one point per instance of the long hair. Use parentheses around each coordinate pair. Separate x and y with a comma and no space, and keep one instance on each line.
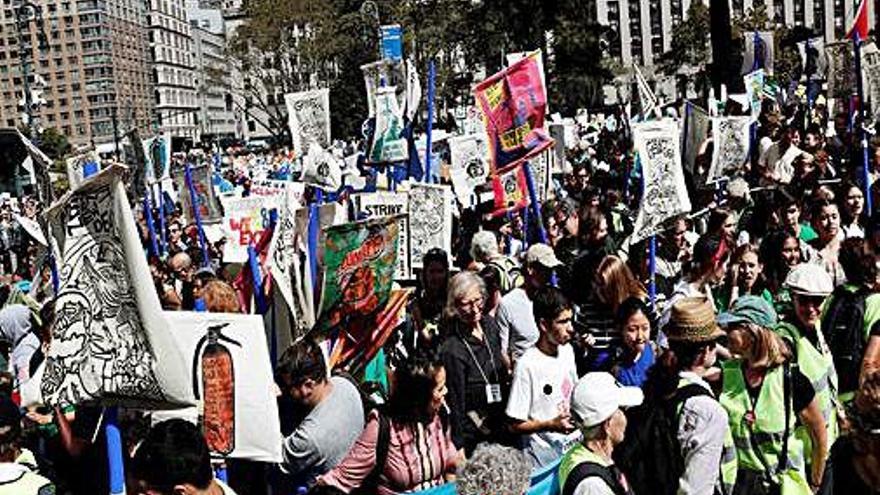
(737,257)
(617,282)
(413,389)
(775,269)
(767,349)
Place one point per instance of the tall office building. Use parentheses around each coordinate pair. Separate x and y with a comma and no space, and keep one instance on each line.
(216,118)
(94,68)
(173,78)
(644,27)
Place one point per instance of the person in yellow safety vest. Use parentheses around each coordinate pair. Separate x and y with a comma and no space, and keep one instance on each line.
(764,394)
(809,285)
(588,468)
(17,465)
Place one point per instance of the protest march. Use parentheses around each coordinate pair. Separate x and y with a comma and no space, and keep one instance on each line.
(653,297)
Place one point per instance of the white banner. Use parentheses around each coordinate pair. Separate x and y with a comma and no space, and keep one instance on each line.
(430,213)
(309,116)
(386,204)
(469,165)
(730,139)
(245,221)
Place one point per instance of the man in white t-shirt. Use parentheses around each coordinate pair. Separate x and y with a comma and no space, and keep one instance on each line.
(777,163)
(543,380)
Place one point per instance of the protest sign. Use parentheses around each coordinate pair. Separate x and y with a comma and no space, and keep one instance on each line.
(359,261)
(757,52)
(392,42)
(244,223)
(813,59)
(513,103)
(287,256)
(209,209)
(158,158)
(32,227)
(386,203)
(841,74)
(754,83)
(413,90)
(696,130)
(730,138)
(322,169)
(383,73)
(387,145)
(511,193)
(288,190)
(231,376)
(110,342)
(430,220)
(82,166)
(665,194)
(469,166)
(309,116)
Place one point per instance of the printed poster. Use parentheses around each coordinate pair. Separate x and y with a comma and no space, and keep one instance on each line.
(665,194)
(513,103)
(309,116)
(110,343)
(383,204)
(230,373)
(245,221)
(430,214)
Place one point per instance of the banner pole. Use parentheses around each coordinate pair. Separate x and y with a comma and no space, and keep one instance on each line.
(863,138)
(114,451)
(533,202)
(148,216)
(256,278)
(314,233)
(206,261)
(652,270)
(163,236)
(430,124)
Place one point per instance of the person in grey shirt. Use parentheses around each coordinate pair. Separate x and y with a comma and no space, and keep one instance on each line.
(334,418)
(519,331)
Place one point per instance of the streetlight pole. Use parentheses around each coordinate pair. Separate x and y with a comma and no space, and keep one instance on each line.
(370,9)
(25,13)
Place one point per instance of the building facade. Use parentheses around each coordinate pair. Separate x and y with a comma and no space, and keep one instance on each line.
(93,70)
(173,75)
(216,116)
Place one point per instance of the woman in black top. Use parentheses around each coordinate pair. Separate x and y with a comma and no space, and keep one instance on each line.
(475,375)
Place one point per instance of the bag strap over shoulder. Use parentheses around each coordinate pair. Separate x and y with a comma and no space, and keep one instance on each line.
(588,469)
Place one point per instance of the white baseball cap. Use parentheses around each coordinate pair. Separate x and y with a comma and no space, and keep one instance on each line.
(597,395)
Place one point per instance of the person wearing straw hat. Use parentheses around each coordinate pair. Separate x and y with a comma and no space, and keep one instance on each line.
(765,394)
(588,467)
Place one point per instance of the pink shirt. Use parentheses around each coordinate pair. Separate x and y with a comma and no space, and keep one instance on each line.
(419,457)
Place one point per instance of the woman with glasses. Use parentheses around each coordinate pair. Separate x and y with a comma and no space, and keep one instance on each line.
(475,373)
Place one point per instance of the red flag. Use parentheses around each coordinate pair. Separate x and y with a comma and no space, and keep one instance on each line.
(860,23)
(511,191)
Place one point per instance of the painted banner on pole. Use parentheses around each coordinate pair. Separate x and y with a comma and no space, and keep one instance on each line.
(665,194)
(841,70)
(322,169)
(697,126)
(511,191)
(385,73)
(388,146)
(754,82)
(288,265)
(158,153)
(383,204)
(730,137)
(245,220)
(209,210)
(757,52)
(469,157)
(430,219)
(513,103)
(309,117)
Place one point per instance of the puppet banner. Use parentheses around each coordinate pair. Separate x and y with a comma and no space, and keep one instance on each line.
(430,213)
(697,125)
(158,158)
(209,209)
(82,166)
(309,116)
(511,192)
(386,73)
(245,220)
(384,204)
(841,72)
(730,138)
(665,194)
(110,342)
(388,146)
(469,166)
(322,169)
(513,103)
(757,52)
(359,261)
(231,376)
(754,83)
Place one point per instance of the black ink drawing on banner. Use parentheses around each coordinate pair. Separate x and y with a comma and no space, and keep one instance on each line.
(731,139)
(469,165)
(99,349)
(430,213)
(309,116)
(841,79)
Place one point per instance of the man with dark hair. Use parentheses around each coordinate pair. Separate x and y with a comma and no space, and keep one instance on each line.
(174,460)
(543,380)
(333,413)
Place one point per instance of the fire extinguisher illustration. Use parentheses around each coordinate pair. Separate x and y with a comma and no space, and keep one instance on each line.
(218,388)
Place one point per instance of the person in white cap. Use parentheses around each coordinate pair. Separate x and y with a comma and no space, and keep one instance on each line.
(519,331)
(588,468)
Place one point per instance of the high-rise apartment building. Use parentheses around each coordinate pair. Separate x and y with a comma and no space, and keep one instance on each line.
(174,83)
(93,69)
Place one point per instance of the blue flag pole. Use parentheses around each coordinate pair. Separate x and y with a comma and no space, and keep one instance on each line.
(314,233)
(206,261)
(148,214)
(273,345)
(256,279)
(534,205)
(652,271)
(430,124)
(114,451)
(863,138)
(163,235)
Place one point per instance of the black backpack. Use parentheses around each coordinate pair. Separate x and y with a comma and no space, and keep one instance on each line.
(650,454)
(586,470)
(844,332)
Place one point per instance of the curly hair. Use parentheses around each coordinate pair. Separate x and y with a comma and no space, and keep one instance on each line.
(494,469)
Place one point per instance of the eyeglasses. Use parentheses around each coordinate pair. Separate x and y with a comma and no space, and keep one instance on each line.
(473,303)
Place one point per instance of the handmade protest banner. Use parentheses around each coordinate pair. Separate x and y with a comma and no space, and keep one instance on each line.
(244,223)
(288,255)
(388,146)
(209,210)
(291,191)
(754,83)
(81,166)
(413,90)
(513,103)
(231,376)
(841,74)
(386,73)
(110,342)
(813,59)
(38,165)
(359,261)
(322,169)
(430,219)
(665,194)
(158,152)
(469,166)
(871,71)
(382,204)
(511,191)
(697,125)
(757,52)
(540,168)
(309,116)
(730,137)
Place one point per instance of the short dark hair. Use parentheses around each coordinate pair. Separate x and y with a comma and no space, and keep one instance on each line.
(414,383)
(548,303)
(301,361)
(629,307)
(173,453)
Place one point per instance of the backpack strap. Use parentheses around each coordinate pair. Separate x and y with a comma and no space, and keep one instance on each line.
(590,469)
(786,394)
(382,440)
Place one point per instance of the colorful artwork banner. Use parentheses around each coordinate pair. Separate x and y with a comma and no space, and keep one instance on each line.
(386,203)
(245,221)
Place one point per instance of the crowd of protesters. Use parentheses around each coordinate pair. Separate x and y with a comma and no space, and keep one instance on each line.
(749,364)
